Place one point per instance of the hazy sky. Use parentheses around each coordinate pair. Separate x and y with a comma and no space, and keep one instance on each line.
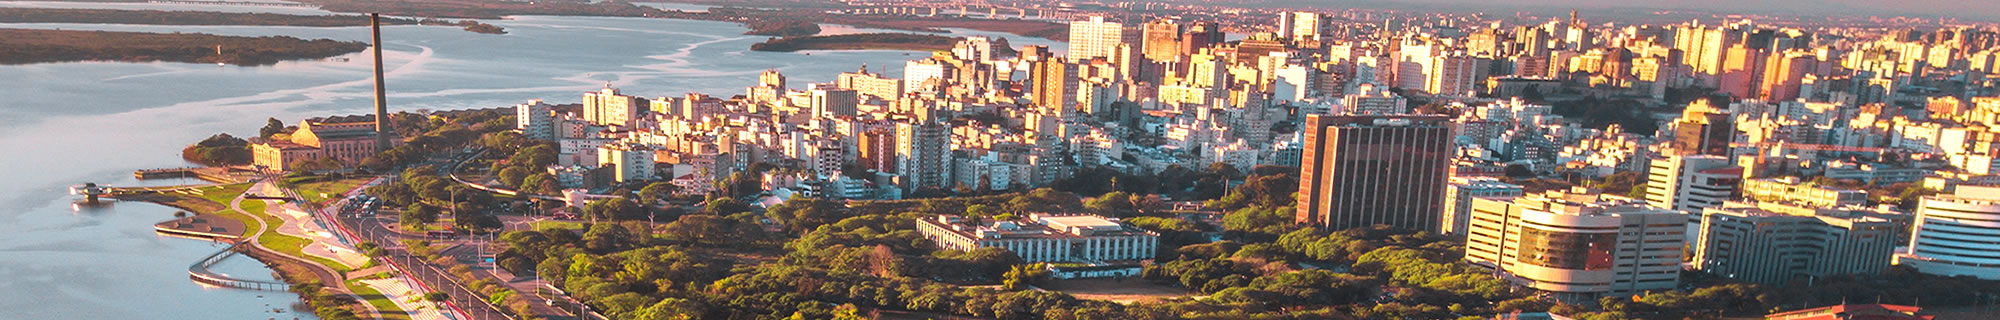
(1979,9)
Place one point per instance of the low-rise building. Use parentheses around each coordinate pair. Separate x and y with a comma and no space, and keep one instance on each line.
(1046,237)
(1747,242)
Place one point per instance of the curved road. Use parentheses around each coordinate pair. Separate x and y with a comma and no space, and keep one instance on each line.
(331,278)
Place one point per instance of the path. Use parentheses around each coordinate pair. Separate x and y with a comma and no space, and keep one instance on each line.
(408,299)
(328,277)
(300,224)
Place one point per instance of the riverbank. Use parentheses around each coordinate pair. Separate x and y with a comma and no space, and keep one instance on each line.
(27,46)
(206,18)
(862,41)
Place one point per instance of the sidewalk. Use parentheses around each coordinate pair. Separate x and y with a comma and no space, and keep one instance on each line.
(408,299)
(300,224)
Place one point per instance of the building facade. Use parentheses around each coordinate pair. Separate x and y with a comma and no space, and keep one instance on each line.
(1046,238)
(1361,170)
(1744,242)
(1957,234)
(1458,200)
(1577,246)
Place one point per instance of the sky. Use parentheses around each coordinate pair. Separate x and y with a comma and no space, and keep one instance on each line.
(1987,10)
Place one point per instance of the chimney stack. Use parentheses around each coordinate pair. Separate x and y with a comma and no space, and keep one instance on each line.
(381,101)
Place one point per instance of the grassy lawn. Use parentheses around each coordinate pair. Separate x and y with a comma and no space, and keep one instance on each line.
(321,191)
(222,194)
(286,244)
(552,224)
(382,304)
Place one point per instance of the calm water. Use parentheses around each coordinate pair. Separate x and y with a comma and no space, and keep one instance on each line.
(74,122)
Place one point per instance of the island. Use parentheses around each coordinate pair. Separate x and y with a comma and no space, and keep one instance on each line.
(781,28)
(203,18)
(860,41)
(25,46)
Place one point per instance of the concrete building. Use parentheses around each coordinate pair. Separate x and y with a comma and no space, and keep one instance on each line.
(1957,234)
(1097,38)
(1360,171)
(628,162)
(1792,190)
(608,108)
(1046,238)
(830,101)
(1692,182)
(1458,200)
(536,120)
(923,152)
(1577,246)
(1745,242)
(1373,100)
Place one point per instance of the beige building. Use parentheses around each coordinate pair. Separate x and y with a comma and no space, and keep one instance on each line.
(1577,246)
(1792,190)
(1046,238)
(348,139)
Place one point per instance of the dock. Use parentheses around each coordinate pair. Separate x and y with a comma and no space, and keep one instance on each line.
(202,226)
(223,175)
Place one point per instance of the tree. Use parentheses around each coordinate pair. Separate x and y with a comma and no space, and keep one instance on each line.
(271,127)
(1025,275)
(656,192)
(513,176)
(418,213)
(608,237)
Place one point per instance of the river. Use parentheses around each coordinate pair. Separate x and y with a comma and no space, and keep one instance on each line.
(68,123)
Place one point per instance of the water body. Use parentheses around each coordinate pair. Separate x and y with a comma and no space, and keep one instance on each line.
(68,123)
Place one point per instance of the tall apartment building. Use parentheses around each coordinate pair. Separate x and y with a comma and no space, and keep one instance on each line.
(1456,74)
(1746,242)
(1363,170)
(628,162)
(1577,246)
(1691,183)
(926,75)
(1300,26)
(923,152)
(608,108)
(870,84)
(1160,40)
(1098,38)
(1957,234)
(536,120)
(1055,82)
(831,101)
(1458,200)
(1046,238)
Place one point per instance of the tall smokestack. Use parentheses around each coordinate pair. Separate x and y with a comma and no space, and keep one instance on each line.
(381,99)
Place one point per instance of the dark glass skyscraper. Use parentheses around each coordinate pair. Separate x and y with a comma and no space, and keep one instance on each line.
(1363,170)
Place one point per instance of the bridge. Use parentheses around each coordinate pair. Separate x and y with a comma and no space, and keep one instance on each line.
(200,274)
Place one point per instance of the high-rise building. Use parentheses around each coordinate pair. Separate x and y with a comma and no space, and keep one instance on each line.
(1745,242)
(536,120)
(1096,38)
(923,154)
(628,162)
(926,75)
(1161,40)
(1370,99)
(1692,182)
(870,84)
(1458,200)
(1703,130)
(831,101)
(1200,35)
(1783,73)
(1456,75)
(1577,246)
(1957,234)
(608,108)
(1055,85)
(1300,26)
(1363,170)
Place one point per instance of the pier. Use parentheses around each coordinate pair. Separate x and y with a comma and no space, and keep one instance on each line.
(223,175)
(200,274)
(202,226)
